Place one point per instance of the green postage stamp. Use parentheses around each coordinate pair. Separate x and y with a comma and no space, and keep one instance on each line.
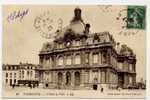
(136,17)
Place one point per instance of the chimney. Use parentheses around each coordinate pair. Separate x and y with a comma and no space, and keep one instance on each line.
(87,28)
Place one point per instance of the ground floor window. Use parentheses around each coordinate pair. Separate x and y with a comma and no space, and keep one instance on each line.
(68,78)
(77,78)
(60,78)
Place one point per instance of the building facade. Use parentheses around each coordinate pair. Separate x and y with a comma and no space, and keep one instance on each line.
(10,74)
(21,74)
(79,59)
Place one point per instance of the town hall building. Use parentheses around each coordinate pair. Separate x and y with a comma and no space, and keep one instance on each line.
(79,59)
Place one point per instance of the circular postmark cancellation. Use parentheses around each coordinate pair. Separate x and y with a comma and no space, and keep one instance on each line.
(47,24)
(105,8)
(133,17)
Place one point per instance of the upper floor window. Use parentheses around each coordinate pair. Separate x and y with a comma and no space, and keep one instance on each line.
(28,73)
(31,73)
(77,43)
(77,59)
(41,59)
(60,45)
(22,72)
(120,65)
(10,74)
(87,58)
(130,80)
(6,74)
(130,67)
(60,60)
(68,60)
(15,75)
(47,60)
(95,58)
(104,57)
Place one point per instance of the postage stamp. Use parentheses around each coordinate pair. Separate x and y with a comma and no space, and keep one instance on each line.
(136,17)
(70,51)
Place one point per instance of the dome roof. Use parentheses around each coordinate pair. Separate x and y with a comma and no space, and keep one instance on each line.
(77,27)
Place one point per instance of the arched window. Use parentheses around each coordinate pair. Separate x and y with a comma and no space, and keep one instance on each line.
(68,60)
(60,60)
(60,78)
(77,78)
(95,58)
(77,59)
(68,78)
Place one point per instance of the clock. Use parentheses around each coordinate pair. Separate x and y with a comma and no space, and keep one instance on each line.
(68,44)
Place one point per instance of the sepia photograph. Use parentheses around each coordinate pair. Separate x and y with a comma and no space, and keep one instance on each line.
(74,51)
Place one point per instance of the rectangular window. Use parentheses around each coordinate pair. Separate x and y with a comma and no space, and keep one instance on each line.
(6,74)
(130,80)
(14,75)
(60,60)
(120,65)
(77,43)
(77,59)
(68,60)
(130,67)
(10,75)
(95,58)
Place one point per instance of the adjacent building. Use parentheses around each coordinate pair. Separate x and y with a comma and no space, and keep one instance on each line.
(21,74)
(79,59)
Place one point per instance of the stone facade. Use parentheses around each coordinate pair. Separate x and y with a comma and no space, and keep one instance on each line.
(79,59)
(22,73)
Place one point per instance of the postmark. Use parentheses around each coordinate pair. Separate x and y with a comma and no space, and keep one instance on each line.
(105,8)
(136,17)
(46,25)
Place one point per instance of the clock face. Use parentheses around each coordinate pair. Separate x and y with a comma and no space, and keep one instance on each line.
(68,44)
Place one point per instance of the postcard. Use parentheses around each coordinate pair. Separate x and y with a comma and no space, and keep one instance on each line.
(74,51)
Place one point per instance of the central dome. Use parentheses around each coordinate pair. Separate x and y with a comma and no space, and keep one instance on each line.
(77,27)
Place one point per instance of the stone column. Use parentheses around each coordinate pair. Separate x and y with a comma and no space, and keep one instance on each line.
(72,79)
(50,62)
(72,58)
(82,78)
(90,58)
(107,75)
(64,60)
(63,79)
(99,76)
(90,76)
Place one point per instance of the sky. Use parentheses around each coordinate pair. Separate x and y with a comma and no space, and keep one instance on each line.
(22,41)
